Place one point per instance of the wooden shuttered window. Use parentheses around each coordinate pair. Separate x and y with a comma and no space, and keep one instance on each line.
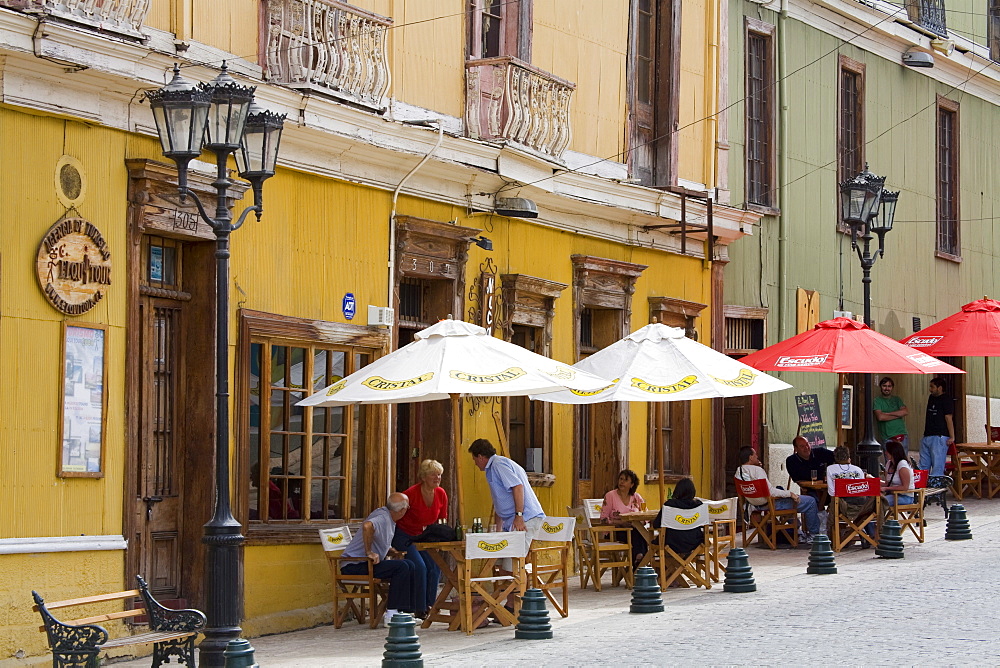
(761,186)
(850,124)
(948,242)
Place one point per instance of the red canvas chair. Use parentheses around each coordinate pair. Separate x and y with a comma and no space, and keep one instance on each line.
(966,474)
(765,522)
(847,524)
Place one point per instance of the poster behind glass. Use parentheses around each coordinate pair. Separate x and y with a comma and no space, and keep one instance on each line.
(83,402)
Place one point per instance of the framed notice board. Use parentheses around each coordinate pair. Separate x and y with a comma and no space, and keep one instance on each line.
(84,401)
(847,407)
(810,420)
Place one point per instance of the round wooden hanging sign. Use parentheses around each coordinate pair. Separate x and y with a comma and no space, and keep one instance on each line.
(74,266)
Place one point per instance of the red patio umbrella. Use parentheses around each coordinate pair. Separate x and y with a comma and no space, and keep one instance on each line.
(843,345)
(972,332)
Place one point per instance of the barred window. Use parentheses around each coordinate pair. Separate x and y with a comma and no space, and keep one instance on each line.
(947,179)
(759,103)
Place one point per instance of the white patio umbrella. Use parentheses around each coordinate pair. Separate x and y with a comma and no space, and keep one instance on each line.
(450,359)
(659,363)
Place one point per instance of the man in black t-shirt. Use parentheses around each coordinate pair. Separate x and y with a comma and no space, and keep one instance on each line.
(939,429)
(804,460)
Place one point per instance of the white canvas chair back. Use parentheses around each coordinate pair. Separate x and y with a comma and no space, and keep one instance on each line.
(722,510)
(684,518)
(594,507)
(580,516)
(556,529)
(496,544)
(335,540)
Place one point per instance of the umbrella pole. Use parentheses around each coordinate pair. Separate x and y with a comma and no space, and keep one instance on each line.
(658,438)
(456,424)
(989,416)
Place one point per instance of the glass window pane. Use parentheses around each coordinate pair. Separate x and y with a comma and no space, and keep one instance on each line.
(319,369)
(319,456)
(336,446)
(336,369)
(296,420)
(318,503)
(276,464)
(319,420)
(360,495)
(297,367)
(295,452)
(278,356)
(335,509)
(277,409)
(337,420)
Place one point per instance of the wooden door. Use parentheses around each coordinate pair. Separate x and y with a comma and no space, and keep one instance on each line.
(159,496)
(742,418)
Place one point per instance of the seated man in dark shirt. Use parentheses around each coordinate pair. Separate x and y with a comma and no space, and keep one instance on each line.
(804,460)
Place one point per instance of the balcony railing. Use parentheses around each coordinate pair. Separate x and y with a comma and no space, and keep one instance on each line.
(122,17)
(928,14)
(513,101)
(328,46)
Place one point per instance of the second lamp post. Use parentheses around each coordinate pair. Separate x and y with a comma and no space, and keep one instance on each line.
(868,209)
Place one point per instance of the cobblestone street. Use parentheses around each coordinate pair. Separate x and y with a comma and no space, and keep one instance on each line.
(935,607)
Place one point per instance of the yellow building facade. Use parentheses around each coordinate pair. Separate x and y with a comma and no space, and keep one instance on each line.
(405,135)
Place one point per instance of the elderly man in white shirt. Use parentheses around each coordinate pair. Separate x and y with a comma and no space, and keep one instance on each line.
(750,469)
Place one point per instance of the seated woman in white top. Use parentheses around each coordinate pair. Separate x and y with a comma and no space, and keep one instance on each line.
(898,474)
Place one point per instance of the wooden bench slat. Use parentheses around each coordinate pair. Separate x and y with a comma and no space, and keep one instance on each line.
(102,618)
(145,638)
(55,605)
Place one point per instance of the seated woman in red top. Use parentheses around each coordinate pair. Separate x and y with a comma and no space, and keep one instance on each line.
(428,504)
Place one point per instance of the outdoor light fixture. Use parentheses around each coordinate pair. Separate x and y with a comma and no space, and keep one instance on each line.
(482,242)
(869,210)
(516,207)
(918,59)
(219,116)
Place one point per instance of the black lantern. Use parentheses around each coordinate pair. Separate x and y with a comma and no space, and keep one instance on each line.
(227,114)
(258,152)
(860,196)
(881,222)
(180,110)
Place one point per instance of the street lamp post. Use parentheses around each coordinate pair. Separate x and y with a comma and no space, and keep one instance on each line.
(221,117)
(868,210)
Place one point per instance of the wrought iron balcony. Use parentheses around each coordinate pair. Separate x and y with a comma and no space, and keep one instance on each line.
(329,47)
(124,18)
(509,100)
(928,14)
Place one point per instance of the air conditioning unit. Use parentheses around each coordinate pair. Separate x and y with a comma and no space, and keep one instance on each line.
(843,314)
(380,316)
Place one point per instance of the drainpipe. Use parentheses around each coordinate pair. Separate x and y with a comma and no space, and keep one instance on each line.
(391,268)
(782,172)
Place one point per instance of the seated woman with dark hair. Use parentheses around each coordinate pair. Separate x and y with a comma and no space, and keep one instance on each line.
(624,499)
(898,474)
(681,541)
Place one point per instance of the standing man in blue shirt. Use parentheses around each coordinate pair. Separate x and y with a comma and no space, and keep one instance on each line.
(514,502)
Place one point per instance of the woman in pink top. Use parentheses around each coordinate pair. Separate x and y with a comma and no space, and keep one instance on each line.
(622,500)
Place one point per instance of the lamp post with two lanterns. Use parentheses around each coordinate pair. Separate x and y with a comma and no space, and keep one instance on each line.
(869,210)
(220,116)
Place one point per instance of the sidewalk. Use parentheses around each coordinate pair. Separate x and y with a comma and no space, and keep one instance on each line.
(934,607)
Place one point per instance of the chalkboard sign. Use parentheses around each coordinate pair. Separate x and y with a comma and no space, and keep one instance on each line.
(810,421)
(847,407)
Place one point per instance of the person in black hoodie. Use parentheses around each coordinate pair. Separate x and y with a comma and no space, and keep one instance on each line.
(681,541)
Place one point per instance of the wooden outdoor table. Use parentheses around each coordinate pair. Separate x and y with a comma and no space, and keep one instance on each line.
(823,499)
(446,609)
(987,456)
(638,521)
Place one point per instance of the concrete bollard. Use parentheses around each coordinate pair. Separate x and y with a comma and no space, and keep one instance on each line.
(957,527)
(821,559)
(890,541)
(402,646)
(239,654)
(646,594)
(739,576)
(533,620)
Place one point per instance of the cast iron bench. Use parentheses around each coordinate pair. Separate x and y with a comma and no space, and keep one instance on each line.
(937,491)
(77,642)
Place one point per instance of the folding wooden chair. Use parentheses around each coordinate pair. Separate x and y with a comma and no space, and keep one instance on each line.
(488,585)
(692,569)
(911,514)
(593,507)
(720,533)
(765,522)
(600,549)
(548,564)
(849,524)
(364,595)
(966,474)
